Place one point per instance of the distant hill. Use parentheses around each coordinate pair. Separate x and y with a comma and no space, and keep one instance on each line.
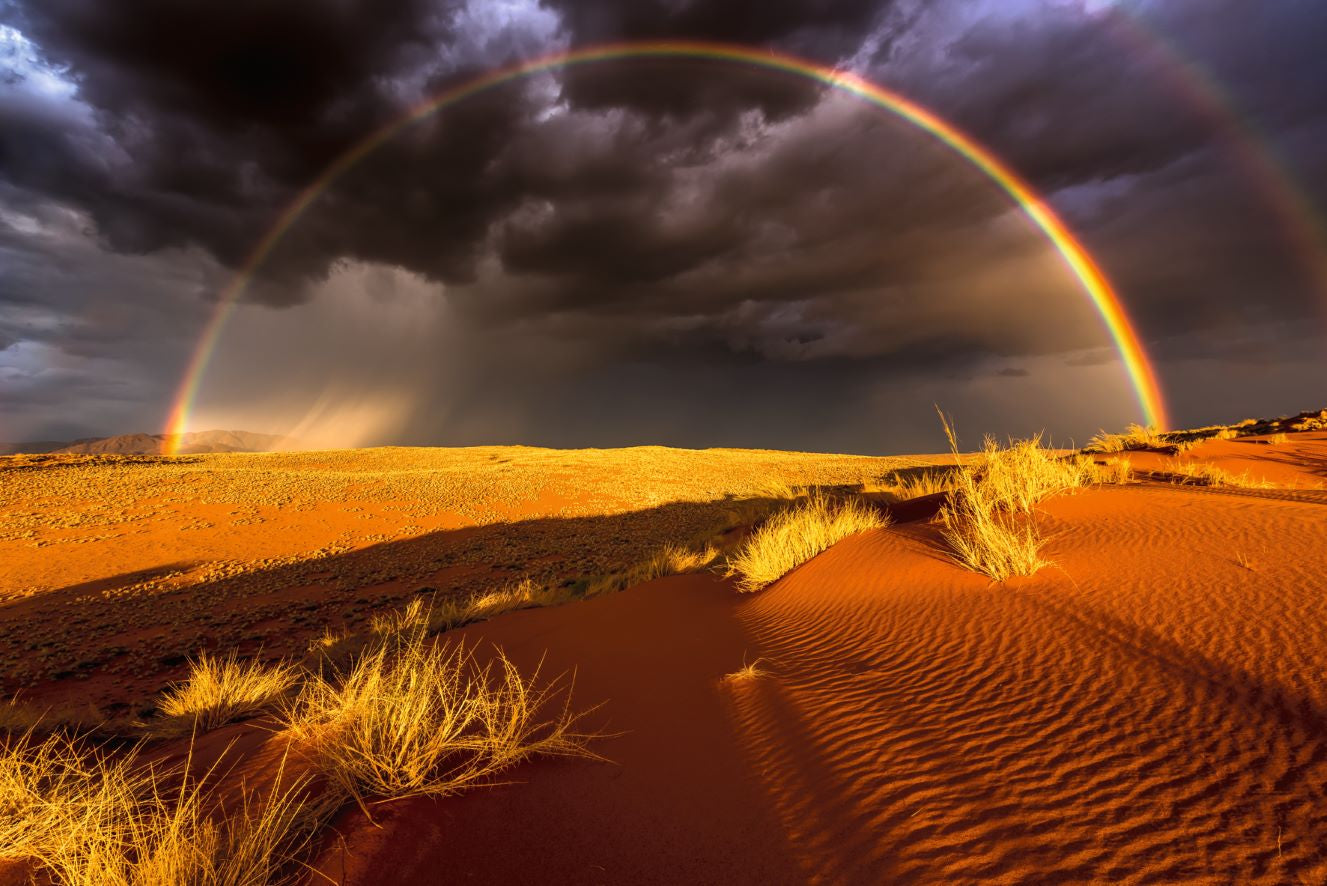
(154,444)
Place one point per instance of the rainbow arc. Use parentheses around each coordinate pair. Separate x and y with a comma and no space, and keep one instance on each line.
(1096,287)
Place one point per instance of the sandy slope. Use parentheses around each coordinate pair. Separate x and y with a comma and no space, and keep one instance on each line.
(1152,709)
(115,569)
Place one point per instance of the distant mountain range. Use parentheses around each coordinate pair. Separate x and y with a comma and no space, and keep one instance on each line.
(155,444)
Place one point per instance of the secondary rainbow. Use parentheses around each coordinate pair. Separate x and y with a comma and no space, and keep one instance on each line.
(1191,81)
(1141,375)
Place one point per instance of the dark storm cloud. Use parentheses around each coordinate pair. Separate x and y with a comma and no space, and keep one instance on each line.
(218,111)
(824,30)
(680,212)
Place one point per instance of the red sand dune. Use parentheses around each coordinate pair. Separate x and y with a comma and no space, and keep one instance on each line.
(1152,709)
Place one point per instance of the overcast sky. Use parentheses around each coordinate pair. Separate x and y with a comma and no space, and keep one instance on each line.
(685,252)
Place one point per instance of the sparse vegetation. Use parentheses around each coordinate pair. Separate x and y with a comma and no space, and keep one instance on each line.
(674,559)
(305,545)
(748,672)
(411,717)
(915,484)
(1135,436)
(989,538)
(220,690)
(793,536)
(436,616)
(1193,473)
(88,819)
(988,522)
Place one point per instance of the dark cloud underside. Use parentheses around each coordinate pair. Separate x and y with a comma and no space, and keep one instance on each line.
(689,216)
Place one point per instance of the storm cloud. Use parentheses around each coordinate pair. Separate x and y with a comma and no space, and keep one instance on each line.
(738,247)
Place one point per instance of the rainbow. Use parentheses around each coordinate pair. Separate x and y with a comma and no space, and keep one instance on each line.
(1116,320)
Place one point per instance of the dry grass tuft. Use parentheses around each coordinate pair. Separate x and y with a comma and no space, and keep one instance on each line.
(1188,473)
(988,521)
(437,616)
(1024,473)
(747,673)
(671,559)
(221,690)
(86,819)
(903,486)
(793,536)
(987,536)
(1112,471)
(674,559)
(414,718)
(1134,437)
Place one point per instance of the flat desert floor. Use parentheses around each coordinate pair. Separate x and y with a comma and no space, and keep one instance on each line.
(1152,708)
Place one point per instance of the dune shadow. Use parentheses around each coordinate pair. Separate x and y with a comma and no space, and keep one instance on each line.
(151,621)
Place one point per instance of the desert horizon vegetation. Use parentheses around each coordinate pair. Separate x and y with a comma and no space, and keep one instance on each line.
(386,708)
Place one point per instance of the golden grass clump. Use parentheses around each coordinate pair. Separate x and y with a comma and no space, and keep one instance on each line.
(987,522)
(791,537)
(1024,473)
(748,672)
(988,519)
(907,486)
(454,612)
(1112,471)
(414,718)
(987,535)
(1135,436)
(85,819)
(221,690)
(1188,473)
(673,559)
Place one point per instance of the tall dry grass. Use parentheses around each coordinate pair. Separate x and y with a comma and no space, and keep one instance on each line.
(85,818)
(791,537)
(986,538)
(221,690)
(411,717)
(1136,436)
(988,522)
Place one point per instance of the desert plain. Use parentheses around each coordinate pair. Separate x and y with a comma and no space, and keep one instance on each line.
(1147,705)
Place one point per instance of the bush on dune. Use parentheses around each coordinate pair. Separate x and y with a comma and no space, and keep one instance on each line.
(904,486)
(220,690)
(988,523)
(87,819)
(988,536)
(412,717)
(1135,436)
(793,536)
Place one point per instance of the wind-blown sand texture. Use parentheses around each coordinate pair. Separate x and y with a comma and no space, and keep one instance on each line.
(1151,709)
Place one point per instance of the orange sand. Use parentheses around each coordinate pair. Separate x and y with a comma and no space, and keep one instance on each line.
(1151,709)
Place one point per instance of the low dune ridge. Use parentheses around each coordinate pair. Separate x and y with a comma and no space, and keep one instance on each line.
(115,569)
(1149,707)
